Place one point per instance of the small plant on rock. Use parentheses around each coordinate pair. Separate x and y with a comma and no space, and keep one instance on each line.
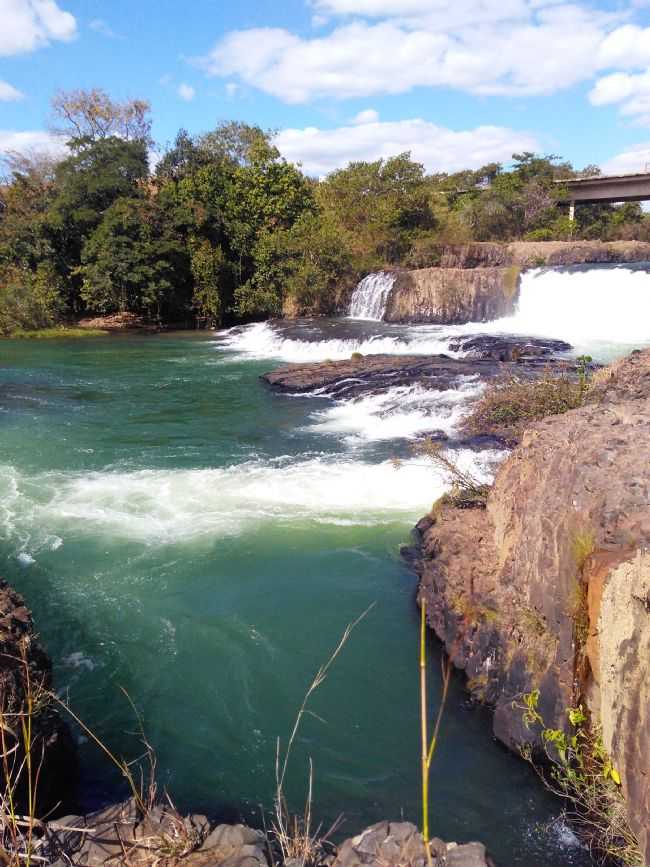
(582,774)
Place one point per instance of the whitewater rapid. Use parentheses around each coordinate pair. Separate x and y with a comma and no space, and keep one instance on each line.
(177,506)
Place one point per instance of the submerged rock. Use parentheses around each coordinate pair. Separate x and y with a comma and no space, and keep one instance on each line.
(548,587)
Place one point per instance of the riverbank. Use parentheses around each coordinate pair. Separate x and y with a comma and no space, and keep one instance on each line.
(546,590)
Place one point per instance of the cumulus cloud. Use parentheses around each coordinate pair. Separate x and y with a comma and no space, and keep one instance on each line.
(186,92)
(32,142)
(30,24)
(634,159)
(321,150)
(505,47)
(8,93)
(630,91)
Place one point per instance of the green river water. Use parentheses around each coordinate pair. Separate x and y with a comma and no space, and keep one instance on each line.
(181,532)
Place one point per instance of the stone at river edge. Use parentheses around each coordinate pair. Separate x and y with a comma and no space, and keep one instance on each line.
(569,513)
(119,834)
(23,661)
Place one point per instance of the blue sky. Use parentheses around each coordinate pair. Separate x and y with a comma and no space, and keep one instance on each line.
(457,82)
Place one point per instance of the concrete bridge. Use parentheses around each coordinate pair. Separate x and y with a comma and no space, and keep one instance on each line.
(606,189)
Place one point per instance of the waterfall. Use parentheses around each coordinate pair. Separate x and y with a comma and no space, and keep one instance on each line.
(584,304)
(370,297)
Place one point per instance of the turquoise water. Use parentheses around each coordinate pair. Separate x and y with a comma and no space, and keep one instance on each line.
(183,533)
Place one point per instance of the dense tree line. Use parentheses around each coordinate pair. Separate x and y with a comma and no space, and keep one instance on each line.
(225,229)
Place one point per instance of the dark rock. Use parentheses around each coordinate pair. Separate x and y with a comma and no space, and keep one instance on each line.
(22,659)
(374,373)
(507,348)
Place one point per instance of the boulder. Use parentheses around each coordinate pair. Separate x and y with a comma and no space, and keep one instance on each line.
(400,844)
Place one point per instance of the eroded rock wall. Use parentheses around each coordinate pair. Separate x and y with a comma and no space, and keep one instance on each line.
(548,587)
(453,295)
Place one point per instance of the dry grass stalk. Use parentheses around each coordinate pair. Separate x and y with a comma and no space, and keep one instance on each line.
(294,834)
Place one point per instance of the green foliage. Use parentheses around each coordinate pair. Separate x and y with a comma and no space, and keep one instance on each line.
(207,264)
(29,299)
(131,262)
(582,773)
(226,229)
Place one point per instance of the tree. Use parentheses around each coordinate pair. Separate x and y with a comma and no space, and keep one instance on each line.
(87,183)
(380,207)
(132,262)
(93,115)
(208,265)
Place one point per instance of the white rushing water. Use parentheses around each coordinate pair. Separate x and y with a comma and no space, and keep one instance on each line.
(586,307)
(370,297)
(402,412)
(43,512)
(263,340)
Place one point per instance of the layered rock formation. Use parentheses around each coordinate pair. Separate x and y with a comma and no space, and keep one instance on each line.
(453,295)
(535,254)
(549,587)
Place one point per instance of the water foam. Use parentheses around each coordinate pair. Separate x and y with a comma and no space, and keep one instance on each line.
(370,297)
(262,340)
(403,412)
(172,506)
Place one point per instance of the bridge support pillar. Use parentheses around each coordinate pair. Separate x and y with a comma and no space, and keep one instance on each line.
(572,211)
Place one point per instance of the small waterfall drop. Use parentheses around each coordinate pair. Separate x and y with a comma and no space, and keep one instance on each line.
(370,297)
(584,304)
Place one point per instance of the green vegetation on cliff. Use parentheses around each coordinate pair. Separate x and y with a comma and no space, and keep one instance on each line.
(225,228)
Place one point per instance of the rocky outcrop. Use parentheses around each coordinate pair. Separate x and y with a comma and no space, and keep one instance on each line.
(534,254)
(26,677)
(453,295)
(486,357)
(548,587)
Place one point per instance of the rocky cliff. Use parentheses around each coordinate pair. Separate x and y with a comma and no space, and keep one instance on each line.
(453,295)
(548,587)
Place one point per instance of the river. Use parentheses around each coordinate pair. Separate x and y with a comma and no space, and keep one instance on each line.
(185,534)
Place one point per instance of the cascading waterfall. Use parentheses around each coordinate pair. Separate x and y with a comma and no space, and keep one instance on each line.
(584,304)
(370,297)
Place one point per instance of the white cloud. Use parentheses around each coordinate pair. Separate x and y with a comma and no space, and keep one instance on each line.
(439,149)
(30,24)
(634,159)
(367,116)
(510,47)
(32,141)
(630,92)
(8,93)
(186,92)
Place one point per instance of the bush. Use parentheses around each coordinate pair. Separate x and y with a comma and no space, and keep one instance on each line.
(581,772)
(508,405)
